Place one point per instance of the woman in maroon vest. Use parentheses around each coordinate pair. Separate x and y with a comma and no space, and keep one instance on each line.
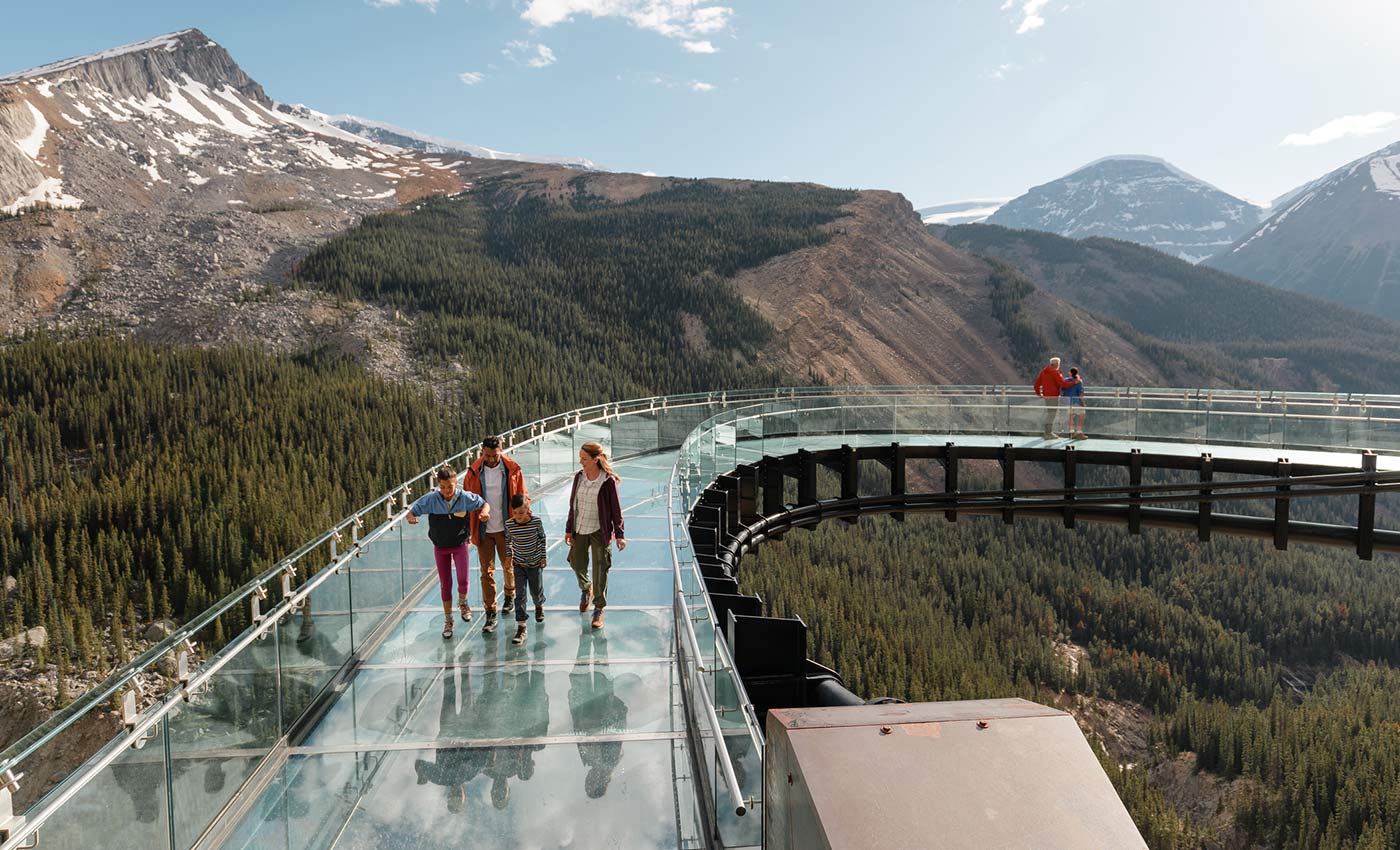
(595,520)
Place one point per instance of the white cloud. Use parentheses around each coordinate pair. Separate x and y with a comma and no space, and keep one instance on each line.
(529,54)
(431,5)
(471,78)
(648,173)
(696,85)
(1030,16)
(765,45)
(699,47)
(1002,70)
(1338,128)
(683,19)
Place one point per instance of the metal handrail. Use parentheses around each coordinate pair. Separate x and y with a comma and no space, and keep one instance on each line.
(685,627)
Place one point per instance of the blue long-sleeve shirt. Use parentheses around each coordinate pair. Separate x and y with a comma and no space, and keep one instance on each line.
(432,502)
(449,521)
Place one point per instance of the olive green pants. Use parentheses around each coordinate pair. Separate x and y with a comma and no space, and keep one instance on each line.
(579,552)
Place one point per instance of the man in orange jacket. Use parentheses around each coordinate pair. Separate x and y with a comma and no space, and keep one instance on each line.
(495,478)
(1048,385)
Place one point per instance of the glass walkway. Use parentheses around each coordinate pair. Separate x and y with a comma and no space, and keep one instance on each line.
(334,715)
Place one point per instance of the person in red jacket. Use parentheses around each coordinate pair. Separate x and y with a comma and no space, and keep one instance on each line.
(1048,385)
(496,479)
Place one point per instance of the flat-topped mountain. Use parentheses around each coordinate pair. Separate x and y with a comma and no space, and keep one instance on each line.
(1136,198)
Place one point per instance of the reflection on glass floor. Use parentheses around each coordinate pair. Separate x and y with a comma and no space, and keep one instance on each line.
(575,739)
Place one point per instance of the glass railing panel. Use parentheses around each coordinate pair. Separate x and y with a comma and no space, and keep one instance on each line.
(218,737)
(872,414)
(1382,431)
(125,806)
(1026,414)
(593,432)
(675,424)
(818,416)
(557,456)
(1235,422)
(315,642)
(747,758)
(726,455)
(528,456)
(376,578)
(1109,415)
(1171,419)
(637,434)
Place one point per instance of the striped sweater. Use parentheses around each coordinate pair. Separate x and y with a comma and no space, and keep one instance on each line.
(526,541)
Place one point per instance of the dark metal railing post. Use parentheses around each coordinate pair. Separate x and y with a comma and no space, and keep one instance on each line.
(1135,495)
(898,476)
(1071,481)
(1008,482)
(950,476)
(1285,470)
(1366,509)
(1203,514)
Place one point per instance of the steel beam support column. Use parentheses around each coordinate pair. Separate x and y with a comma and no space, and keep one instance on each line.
(1284,470)
(1366,511)
(1207,473)
(1134,495)
(950,476)
(1071,481)
(1008,482)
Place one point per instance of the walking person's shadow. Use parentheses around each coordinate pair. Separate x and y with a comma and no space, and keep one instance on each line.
(596,710)
(458,718)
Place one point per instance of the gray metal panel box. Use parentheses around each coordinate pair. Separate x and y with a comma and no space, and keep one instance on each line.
(1002,774)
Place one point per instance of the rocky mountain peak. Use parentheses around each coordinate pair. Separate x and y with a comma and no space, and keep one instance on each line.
(1136,198)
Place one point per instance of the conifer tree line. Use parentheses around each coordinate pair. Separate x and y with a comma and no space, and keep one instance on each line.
(143,482)
(552,305)
(1212,638)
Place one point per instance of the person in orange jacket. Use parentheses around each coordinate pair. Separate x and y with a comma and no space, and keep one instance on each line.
(1048,385)
(495,478)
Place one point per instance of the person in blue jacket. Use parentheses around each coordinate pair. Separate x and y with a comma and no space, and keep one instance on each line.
(449,509)
(1075,393)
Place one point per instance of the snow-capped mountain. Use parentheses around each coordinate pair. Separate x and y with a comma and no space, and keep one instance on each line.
(1337,238)
(170,120)
(378,131)
(1139,199)
(151,186)
(971,211)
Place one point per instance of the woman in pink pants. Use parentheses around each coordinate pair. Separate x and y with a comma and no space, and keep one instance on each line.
(449,510)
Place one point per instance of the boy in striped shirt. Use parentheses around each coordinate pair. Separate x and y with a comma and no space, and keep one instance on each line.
(526,543)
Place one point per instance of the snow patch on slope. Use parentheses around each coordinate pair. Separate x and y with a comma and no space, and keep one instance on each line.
(34,142)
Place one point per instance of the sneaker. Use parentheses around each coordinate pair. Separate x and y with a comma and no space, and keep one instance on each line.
(466,611)
(583,600)
(508,604)
(539,613)
(447,628)
(1051,435)
(490,626)
(519,635)
(597,618)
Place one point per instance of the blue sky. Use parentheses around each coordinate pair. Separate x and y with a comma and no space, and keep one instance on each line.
(938,99)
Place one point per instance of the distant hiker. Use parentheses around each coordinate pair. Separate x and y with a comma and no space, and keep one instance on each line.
(595,520)
(525,539)
(451,512)
(1074,391)
(1048,385)
(497,479)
